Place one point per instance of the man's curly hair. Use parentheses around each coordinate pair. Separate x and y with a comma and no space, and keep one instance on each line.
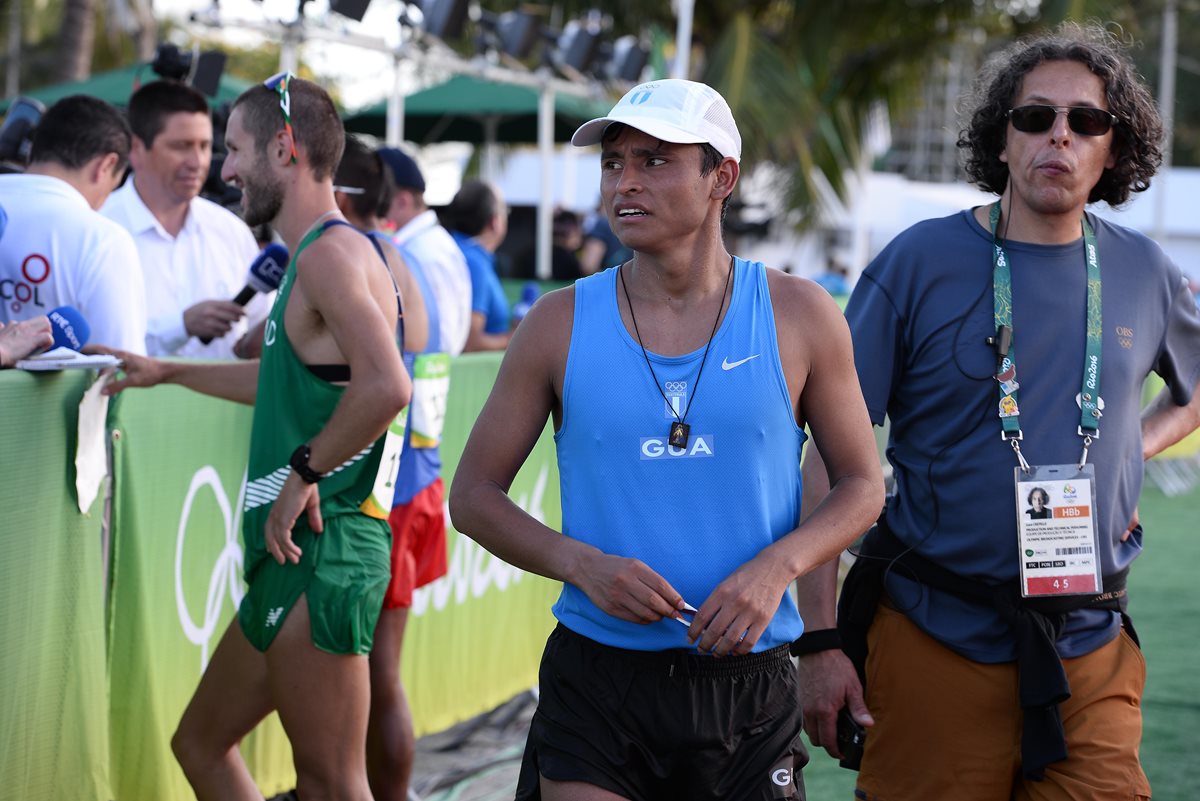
(1137,136)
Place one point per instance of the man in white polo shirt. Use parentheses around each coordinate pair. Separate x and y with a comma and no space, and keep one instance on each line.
(57,250)
(194,253)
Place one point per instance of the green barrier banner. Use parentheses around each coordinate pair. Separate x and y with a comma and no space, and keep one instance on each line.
(53,705)
(475,636)
(91,692)
(179,461)
(473,641)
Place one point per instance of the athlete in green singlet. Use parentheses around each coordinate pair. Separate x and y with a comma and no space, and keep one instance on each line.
(330,385)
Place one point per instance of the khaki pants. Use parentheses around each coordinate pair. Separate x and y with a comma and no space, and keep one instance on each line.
(947,727)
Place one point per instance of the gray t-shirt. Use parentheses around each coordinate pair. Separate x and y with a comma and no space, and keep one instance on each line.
(921,316)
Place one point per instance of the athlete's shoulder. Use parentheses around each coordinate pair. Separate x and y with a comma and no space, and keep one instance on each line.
(793,295)
(339,248)
(552,314)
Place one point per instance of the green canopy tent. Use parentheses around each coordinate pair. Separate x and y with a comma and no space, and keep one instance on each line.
(115,86)
(470,109)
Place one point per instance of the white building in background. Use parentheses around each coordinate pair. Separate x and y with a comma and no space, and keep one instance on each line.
(1179,230)
(880,205)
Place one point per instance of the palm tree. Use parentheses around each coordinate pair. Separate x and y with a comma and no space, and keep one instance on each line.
(76,41)
(802,78)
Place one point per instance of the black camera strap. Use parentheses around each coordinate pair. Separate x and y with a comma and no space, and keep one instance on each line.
(1037,625)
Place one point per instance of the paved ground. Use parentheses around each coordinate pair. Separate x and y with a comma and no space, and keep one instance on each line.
(477,760)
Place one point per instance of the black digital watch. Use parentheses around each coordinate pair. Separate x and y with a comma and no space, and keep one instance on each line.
(299,464)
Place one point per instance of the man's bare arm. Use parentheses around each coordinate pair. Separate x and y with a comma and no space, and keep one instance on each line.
(522,399)
(234,381)
(364,333)
(416,316)
(478,339)
(1164,423)
(333,282)
(828,680)
(831,401)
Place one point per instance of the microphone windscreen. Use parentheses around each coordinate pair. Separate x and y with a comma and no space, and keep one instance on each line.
(268,268)
(68,328)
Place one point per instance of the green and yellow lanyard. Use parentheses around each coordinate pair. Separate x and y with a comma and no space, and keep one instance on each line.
(1089,393)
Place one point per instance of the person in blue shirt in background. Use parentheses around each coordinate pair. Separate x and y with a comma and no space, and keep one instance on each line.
(477,218)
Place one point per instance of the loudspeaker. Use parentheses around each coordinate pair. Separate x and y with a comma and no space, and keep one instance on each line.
(354,9)
(445,19)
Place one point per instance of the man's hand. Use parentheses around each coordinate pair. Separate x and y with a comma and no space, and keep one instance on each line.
(211,318)
(295,497)
(735,615)
(23,338)
(829,682)
(1132,525)
(628,589)
(137,371)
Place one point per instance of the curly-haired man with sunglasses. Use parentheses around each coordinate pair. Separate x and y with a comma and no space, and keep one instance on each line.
(1008,345)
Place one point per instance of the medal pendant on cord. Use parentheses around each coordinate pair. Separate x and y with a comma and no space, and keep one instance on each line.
(679,435)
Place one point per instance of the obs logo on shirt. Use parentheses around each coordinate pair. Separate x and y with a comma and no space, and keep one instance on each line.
(26,289)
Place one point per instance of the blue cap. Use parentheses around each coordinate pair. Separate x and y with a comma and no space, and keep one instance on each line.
(405,172)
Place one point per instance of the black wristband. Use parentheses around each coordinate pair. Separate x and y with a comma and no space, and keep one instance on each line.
(810,642)
(299,464)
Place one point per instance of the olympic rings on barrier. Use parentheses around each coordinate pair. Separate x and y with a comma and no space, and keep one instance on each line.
(226,573)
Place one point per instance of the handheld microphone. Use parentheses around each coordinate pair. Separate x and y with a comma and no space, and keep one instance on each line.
(265,274)
(68,328)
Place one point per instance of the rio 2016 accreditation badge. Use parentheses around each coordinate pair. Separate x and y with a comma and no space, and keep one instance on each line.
(1057,533)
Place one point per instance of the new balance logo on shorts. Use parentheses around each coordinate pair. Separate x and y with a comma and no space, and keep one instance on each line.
(273,616)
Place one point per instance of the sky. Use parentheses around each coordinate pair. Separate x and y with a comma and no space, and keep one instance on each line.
(361,76)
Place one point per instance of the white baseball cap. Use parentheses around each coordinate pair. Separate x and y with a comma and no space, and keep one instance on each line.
(673,110)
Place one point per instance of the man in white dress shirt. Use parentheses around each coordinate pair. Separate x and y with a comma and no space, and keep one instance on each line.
(421,237)
(194,253)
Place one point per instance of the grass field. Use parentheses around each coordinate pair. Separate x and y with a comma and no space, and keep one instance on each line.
(1165,606)
(1164,603)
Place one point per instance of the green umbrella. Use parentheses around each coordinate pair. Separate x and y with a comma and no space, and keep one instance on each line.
(115,86)
(463,108)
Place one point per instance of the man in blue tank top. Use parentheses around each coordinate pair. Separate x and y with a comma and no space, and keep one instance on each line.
(1008,345)
(679,384)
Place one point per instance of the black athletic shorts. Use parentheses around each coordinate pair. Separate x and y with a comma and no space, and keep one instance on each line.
(662,725)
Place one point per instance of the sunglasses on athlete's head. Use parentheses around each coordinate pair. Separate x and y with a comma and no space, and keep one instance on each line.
(280,83)
(1081,119)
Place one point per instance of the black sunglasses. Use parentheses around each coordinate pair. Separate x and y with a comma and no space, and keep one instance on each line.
(1081,119)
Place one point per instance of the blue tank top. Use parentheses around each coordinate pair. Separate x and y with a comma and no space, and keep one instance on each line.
(693,515)
(419,467)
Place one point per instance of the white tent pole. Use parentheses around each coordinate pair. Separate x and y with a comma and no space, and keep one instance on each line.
(683,38)
(1166,105)
(546,196)
(395,106)
(491,151)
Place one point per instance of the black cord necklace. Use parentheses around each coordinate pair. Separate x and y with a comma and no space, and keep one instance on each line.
(680,430)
